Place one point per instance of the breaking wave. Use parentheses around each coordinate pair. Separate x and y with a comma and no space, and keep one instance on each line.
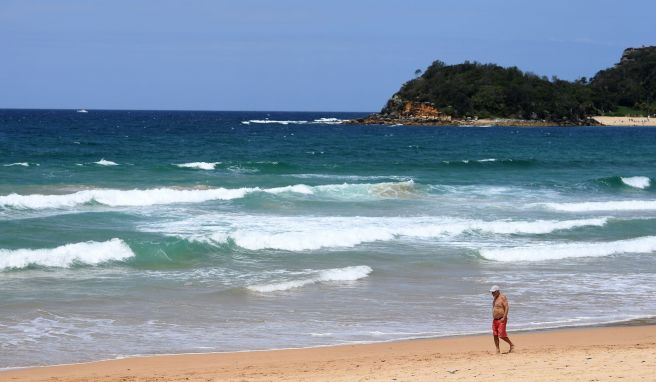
(104,162)
(313,233)
(352,177)
(155,196)
(337,274)
(89,253)
(330,121)
(119,198)
(544,252)
(640,182)
(324,121)
(620,205)
(199,165)
(23,164)
(619,182)
(491,161)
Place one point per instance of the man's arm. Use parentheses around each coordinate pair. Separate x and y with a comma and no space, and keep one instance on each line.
(507,308)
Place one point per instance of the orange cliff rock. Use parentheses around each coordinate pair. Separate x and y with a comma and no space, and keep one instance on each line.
(424,110)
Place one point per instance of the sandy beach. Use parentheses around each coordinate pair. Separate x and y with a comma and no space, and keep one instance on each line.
(626,121)
(591,354)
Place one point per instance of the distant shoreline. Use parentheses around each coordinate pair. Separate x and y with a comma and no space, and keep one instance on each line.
(626,121)
(377,119)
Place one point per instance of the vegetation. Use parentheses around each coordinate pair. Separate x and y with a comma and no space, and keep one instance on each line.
(629,86)
(486,90)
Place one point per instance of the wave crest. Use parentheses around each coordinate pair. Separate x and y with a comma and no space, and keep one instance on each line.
(611,205)
(640,182)
(320,121)
(491,161)
(621,182)
(199,165)
(303,234)
(544,252)
(156,196)
(337,274)
(119,198)
(104,162)
(90,253)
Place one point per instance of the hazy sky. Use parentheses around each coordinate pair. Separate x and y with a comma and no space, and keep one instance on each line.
(287,54)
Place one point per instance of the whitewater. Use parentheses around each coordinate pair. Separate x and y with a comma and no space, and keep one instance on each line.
(148,232)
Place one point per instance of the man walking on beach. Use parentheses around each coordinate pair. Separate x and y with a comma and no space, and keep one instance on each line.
(500,309)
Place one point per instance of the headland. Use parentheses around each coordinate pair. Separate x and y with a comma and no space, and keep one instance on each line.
(475,94)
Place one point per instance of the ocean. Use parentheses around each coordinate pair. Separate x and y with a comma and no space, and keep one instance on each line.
(152,232)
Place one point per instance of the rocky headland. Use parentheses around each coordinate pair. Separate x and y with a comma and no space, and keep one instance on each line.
(474,94)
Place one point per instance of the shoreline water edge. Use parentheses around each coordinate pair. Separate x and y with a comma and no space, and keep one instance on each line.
(377,119)
(607,352)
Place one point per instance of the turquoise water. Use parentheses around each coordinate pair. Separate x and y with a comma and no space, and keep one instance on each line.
(127,233)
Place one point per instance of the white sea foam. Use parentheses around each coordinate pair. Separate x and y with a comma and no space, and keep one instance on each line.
(619,205)
(324,121)
(90,253)
(337,274)
(403,189)
(640,182)
(104,162)
(155,196)
(338,233)
(485,160)
(199,165)
(23,164)
(543,252)
(352,177)
(272,121)
(298,188)
(117,198)
(329,121)
(313,233)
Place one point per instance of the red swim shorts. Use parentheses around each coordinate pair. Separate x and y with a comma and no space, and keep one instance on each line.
(499,328)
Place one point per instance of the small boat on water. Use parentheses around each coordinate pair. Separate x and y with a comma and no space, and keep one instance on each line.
(82,111)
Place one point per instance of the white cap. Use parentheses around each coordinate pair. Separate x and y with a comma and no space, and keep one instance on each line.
(495,288)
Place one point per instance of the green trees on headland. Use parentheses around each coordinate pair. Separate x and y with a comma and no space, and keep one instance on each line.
(480,90)
(630,85)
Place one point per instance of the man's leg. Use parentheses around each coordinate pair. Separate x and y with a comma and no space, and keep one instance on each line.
(507,339)
(496,343)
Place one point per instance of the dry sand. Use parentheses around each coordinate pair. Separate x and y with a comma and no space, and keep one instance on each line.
(594,354)
(626,121)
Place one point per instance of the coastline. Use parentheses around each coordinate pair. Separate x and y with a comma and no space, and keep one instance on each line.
(569,353)
(377,119)
(422,120)
(625,121)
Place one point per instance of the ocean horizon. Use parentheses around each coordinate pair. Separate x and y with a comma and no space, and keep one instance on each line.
(154,232)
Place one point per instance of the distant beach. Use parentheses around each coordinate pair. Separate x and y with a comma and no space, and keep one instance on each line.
(625,121)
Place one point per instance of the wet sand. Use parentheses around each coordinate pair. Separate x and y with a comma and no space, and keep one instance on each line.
(593,354)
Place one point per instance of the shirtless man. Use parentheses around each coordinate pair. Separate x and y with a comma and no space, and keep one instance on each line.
(500,309)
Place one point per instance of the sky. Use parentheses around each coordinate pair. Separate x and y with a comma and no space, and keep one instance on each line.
(290,55)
